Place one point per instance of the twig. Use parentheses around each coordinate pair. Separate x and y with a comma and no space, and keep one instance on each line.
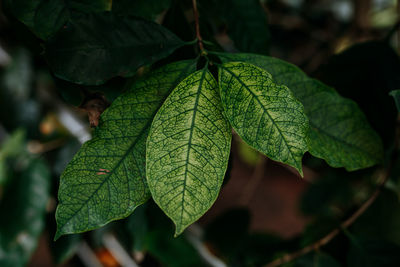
(326,239)
(383,178)
(196,21)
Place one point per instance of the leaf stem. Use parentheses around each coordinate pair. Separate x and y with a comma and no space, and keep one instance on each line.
(197,24)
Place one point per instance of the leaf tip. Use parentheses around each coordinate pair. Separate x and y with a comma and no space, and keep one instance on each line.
(178,229)
(57,235)
(299,169)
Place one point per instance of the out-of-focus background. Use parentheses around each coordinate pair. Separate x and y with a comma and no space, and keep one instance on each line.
(264,209)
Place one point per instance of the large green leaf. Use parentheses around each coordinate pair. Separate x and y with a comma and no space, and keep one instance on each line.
(264,114)
(23,210)
(93,48)
(105,180)
(188,150)
(45,17)
(339,132)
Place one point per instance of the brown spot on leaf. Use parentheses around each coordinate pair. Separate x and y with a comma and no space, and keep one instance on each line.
(102,172)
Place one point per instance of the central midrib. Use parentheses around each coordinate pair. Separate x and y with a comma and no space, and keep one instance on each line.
(190,141)
(265,111)
(145,128)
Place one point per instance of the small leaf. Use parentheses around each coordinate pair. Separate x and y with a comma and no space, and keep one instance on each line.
(23,210)
(265,115)
(89,50)
(45,17)
(106,181)
(339,132)
(188,150)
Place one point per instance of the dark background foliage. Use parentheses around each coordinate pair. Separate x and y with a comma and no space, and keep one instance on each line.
(264,209)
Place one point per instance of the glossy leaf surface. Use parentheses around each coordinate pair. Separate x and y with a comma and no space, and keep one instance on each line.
(265,115)
(188,150)
(106,181)
(339,132)
(93,48)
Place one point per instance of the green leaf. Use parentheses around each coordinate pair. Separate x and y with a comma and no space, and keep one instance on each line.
(23,210)
(45,17)
(148,9)
(339,132)
(396,96)
(188,150)
(106,181)
(265,115)
(93,48)
(11,147)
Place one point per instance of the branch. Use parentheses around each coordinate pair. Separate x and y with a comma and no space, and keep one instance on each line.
(196,21)
(383,178)
(326,239)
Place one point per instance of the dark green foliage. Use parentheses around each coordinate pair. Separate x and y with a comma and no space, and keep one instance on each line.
(245,21)
(162,145)
(89,50)
(366,73)
(46,17)
(148,9)
(23,209)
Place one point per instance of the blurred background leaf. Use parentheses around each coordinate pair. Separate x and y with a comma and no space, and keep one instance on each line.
(23,208)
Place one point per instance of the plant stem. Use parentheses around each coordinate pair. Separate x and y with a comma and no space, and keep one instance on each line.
(383,178)
(197,24)
(326,239)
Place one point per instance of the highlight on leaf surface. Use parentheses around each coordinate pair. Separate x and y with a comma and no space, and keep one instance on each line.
(265,115)
(339,132)
(105,181)
(188,150)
